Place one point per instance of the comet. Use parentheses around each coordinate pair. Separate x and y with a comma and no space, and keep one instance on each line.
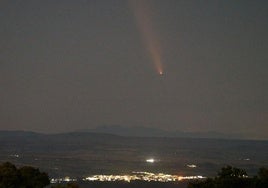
(144,22)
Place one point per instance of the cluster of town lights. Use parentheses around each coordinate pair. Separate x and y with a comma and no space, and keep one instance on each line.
(142,176)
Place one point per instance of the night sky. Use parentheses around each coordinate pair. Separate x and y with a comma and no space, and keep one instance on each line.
(76,64)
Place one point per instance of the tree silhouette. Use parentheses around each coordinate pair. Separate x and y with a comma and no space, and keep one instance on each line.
(262,178)
(231,177)
(9,176)
(32,177)
(232,172)
(24,177)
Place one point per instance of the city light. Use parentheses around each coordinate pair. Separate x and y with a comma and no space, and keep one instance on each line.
(150,160)
(143,176)
(191,166)
(60,180)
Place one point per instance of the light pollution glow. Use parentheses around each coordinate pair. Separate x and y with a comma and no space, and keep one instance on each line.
(144,23)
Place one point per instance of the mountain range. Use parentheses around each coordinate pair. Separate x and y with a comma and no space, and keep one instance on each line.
(139,131)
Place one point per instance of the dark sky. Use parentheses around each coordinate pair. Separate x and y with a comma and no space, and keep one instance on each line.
(77,64)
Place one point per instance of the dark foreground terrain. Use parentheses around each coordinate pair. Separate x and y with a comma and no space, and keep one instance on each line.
(135,184)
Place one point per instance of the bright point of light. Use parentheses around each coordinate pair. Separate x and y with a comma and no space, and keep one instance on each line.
(191,166)
(150,160)
(161,72)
